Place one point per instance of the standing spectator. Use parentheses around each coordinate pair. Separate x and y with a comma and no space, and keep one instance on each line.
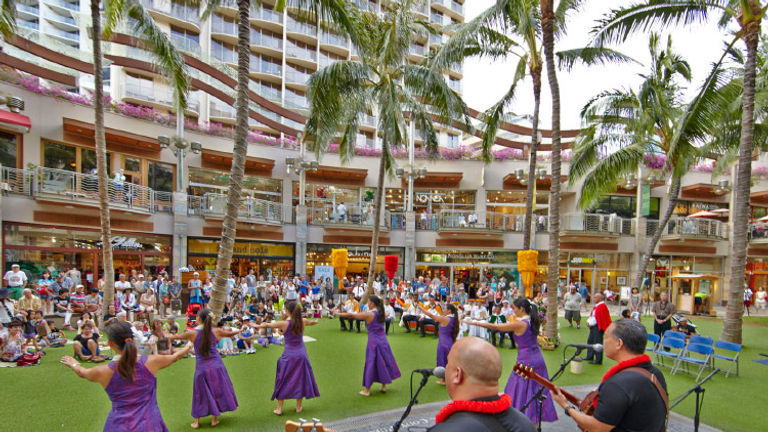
(341,210)
(572,303)
(747,298)
(635,304)
(207,290)
(760,301)
(45,292)
(195,286)
(75,275)
(28,328)
(584,293)
(662,312)
(165,296)
(7,308)
(16,281)
(598,321)
(122,284)
(117,183)
(174,291)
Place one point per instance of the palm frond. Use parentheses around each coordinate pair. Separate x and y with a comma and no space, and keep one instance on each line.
(590,56)
(7,18)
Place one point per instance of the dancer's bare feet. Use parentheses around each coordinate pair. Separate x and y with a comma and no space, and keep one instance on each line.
(277,412)
(383,388)
(195,424)
(214,421)
(299,409)
(365,392)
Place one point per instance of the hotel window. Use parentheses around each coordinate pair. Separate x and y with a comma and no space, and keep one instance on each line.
(9,150)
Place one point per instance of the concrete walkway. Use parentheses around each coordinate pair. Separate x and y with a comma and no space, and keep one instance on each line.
(423,416)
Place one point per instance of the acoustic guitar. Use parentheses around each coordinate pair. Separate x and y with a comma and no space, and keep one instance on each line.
(305,426)
(586,405)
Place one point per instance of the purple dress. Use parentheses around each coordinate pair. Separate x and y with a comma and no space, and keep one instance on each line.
(522,390)
(294,378)
(134,403)
(445,343)
(380,364)
(212,391)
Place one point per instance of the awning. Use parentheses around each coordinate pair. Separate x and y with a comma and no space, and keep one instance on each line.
(703,191)
(441,180)
(338,175)
(15,122)
(117,140)
(223,160)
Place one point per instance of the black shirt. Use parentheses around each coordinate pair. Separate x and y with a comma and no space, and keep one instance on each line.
(510,420)
(84,340)
(687,329)
(631,402)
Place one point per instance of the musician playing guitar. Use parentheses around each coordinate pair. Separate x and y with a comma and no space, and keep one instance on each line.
(633,394)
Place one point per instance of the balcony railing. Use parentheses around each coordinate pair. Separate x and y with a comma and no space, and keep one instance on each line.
(34,25)
(176,10)
(268,15)
(295,51)
(59,18)
(296,76)
(185,44)
(139,91)
(474,221)
(220,110)
(265,40)
(250,209)
(457,7)
(223,54)
(353,215)
(222,26)
(419,50)
(79,187)
(32,9)
(17,181)
(396,220)
(271,93)
(758,232)
(328,38)
(64,4)
(259,65)
(293,100)
(295,26)
(693,227)
(597,223)
(74,36)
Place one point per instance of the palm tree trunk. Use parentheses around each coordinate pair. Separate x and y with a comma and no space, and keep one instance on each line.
(530,201)
(376,225)
(553,270)
(735,310)
(642,265)
(229,224)
(101,157)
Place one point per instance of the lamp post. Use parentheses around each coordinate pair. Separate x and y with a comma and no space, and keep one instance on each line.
(180,148)
(410,173)
(300,166)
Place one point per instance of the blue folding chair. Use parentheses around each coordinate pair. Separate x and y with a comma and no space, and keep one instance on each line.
(695,354)
(653,339)
(734,359)
(674,334)
(676,347)
(704,340)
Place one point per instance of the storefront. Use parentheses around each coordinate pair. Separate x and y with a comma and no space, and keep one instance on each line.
(38,247)
(271,260)
(683,276)
(359,258)
(598,271)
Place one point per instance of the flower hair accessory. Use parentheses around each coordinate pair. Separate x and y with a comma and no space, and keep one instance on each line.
(128,339)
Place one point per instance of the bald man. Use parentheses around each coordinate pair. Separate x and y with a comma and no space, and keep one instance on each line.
(472,381)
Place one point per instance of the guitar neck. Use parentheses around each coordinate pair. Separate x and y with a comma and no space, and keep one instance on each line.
(551,387)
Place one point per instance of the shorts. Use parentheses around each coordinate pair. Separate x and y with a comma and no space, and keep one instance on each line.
(44,296)
(697,300)
(87,352)
(241,344)
(30,335)
(573,315)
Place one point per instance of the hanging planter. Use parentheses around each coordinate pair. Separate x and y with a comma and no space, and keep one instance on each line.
(340,262)
(528,265)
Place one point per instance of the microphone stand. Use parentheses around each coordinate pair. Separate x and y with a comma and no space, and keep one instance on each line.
(539,396)
(699,399)
(413,401)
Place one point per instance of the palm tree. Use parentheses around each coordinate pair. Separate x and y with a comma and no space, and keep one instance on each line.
(7,18)
(486,36)
(382,82)
(747,16)
(639,123)
(169,61)
(333,10)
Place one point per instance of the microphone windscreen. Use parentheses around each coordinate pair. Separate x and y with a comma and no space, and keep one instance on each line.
(439,372)
(597,348)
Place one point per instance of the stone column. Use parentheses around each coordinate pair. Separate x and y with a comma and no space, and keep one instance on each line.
(179,232)
(301,239)
(409,257)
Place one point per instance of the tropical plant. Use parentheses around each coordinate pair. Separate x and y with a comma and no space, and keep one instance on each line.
(334,11)
(746,16)
(512,29)
(168,60)
(7,18)
(627,126)
(382,82)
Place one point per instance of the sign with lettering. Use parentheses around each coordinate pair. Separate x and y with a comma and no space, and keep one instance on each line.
(248,249)
(323,271)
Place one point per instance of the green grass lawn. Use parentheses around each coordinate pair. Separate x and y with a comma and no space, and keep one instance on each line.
(51,397)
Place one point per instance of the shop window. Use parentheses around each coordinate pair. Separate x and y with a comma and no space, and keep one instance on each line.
(160,176)
(60,156)
(88,161)
(9,148)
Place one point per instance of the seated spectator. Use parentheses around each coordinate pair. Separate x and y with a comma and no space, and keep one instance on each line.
(684,327)
(128,302)
(85,318)
(226,345)
(111,314)
(246,336)
(28,302)
(12,346)
(86,345)
(77,299)
(158,339)
(389,313)
(93,303)
(41,327)
(147,302)
(350,306)
(410,311)
(497,317)
(56,337)
(62,308)
(425,320)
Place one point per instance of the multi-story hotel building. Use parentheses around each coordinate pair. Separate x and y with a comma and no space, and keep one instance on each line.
(466,218)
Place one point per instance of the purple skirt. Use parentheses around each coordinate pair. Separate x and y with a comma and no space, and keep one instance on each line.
(294,378)
(212,391)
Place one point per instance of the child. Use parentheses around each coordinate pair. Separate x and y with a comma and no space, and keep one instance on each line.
(226,346)
(56,338)
(85,318)
(12,346)
(45,292)
(29,330)
(316,309)
(245,338)
(41,326)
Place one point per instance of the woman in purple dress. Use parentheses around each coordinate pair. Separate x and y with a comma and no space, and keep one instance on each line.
(294,378)
(525,325)
(449,330)
(130,383)
(380,364)
(212,391)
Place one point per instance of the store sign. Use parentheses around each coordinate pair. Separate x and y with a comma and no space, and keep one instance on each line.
(582,260)
(322,272)
(242,248)
(124,243)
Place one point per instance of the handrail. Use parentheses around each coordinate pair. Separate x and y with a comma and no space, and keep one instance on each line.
(250,209)
(597,223)
(696,227)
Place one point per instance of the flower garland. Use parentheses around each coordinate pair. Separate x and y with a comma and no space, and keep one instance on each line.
(484,407)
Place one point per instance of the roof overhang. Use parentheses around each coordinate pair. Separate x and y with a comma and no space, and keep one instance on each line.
(223,160)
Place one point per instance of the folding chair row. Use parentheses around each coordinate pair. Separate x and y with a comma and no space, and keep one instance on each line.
(694,354)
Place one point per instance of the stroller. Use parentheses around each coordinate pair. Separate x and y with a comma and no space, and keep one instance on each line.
(192,311)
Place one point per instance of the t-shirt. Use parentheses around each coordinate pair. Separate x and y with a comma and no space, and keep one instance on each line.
(631,402)
(15,279)
(62,302)
(84,340)
(122,285)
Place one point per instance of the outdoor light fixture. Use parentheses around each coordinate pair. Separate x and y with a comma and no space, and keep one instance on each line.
(723,187)
(541,174)
(14,103)
(630,181)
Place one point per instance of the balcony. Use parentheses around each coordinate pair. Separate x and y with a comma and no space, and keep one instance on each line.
(32,25)
(221,112)
(365,141)
(252,210)
(183,16)
(419,50)
(62,185)
(223,54)
(335,43)
(220,26)
(17,181)
(296,77)
(596,225)
(271,93)
(758,232)
(355,217)
(301,30)
(274,44)
(264,69)
(296,101)
(143,92)
(71,38)
(64,4)
(268,18)
(694,228)
(66,22)
(185,43)
(28,11)
(468,221)
(301,55)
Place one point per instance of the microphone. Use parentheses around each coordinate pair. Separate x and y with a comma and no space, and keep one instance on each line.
(439,371)
(581,347)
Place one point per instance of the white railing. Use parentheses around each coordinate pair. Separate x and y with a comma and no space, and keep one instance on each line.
(295,26)
(296,51)
(17,181)
(353,215)
(476,220)
(329,38)
(251,209)
(694,227)
(84,188)
(194,205)
(265,40)
(597,223)
(163,202)
(220,110)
